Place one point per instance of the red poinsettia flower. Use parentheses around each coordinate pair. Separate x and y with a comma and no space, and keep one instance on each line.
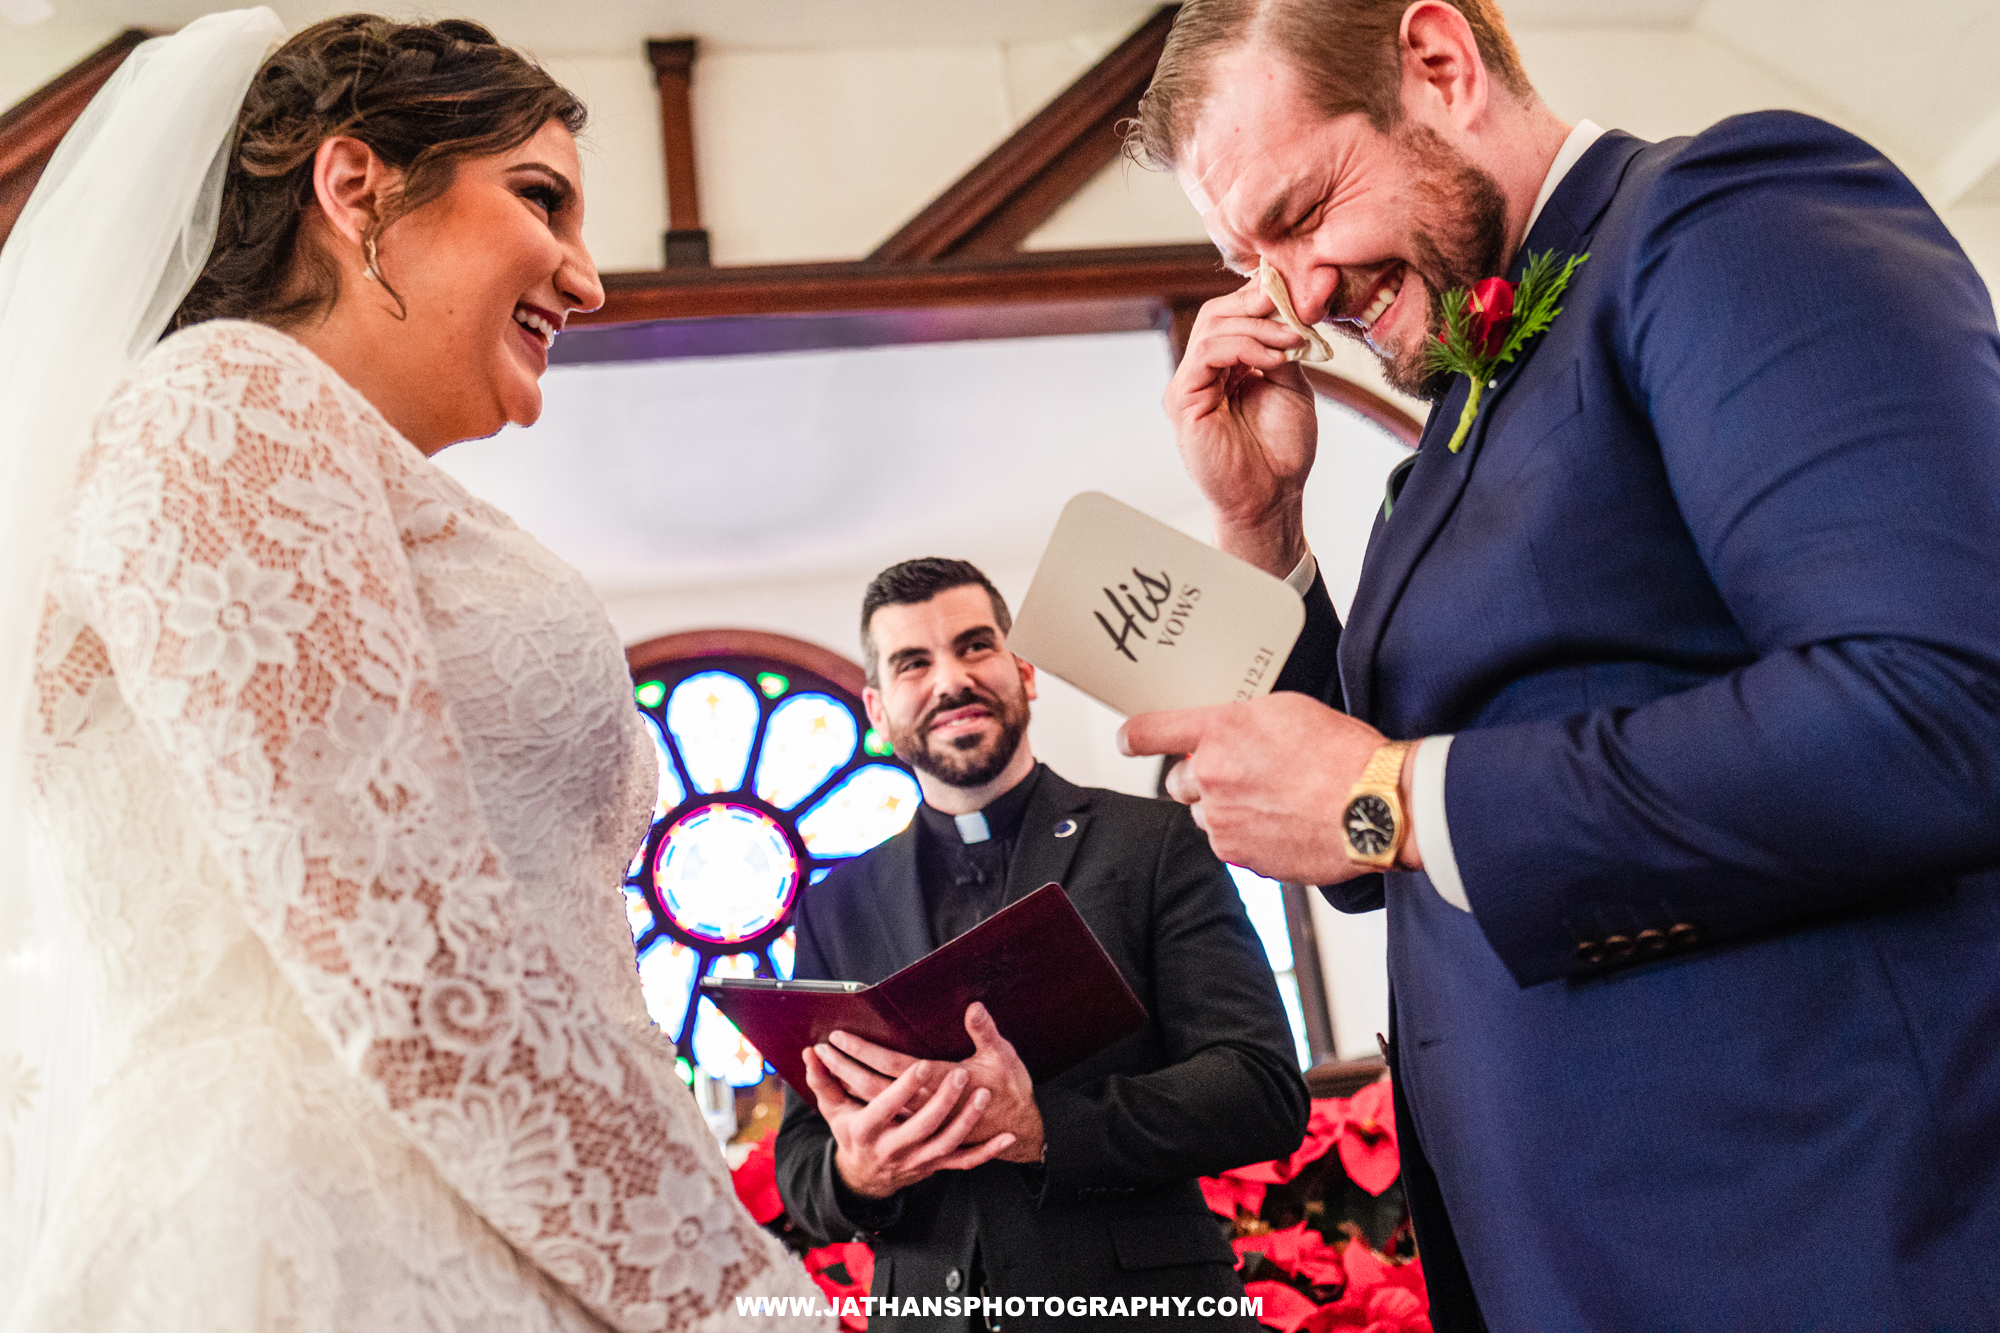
(1367,1142)
(1298,1250)
(1489,309)
(1362,1127)
(859,1261)
(1228,1195)
(1284,1307)
(1380,1297)
(757,1181)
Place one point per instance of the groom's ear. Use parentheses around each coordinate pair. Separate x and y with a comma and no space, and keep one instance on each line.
(353,187)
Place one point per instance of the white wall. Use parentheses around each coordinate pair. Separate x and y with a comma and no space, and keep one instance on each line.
(30,57)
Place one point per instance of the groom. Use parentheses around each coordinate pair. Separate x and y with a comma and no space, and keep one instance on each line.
(1670,702)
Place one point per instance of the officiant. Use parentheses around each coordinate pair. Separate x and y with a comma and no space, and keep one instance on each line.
(970,1180)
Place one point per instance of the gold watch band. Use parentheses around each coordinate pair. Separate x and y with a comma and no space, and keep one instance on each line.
(1385,766)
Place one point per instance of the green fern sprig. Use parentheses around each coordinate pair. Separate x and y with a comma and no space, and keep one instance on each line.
(1535,309)
(1453,354)
(1535,299)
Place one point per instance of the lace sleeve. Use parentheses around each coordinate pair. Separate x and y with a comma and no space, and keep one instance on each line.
(236,551)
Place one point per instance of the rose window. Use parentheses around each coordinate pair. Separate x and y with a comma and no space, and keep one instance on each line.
(769,777)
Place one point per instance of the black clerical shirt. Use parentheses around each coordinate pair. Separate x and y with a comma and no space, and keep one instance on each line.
(962,863)
(963,875)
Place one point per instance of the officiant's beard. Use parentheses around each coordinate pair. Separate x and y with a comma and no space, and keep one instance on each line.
(979,760)
(1459,236)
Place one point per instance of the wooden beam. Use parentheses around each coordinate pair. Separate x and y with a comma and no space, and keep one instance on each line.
(1314,1007)
(1344,1078)
(1123,273)
(990,209)
(750,335)
(686,242)
(32,127)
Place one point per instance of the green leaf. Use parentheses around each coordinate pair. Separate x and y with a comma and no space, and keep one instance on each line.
(1453,354)
(1535,300)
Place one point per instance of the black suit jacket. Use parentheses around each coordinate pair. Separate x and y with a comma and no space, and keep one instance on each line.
(1210,1082)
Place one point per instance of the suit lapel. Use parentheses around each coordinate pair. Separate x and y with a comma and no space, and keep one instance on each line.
(1437,479)
(898,897)
(1052,827)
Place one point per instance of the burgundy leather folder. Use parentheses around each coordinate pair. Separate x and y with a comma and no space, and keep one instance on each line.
(1052,990)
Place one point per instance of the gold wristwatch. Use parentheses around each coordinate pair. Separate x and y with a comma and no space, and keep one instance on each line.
(1374,822)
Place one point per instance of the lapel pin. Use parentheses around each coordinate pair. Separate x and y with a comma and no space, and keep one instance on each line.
(1067,827)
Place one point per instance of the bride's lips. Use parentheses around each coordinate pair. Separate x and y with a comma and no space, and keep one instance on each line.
(538,326)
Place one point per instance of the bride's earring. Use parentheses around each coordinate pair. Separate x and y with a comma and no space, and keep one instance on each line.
(371,273)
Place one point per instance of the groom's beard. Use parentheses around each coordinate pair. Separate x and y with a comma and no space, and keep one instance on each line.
(966,761)
(1460,230)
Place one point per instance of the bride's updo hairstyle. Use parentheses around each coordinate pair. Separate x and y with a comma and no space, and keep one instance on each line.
(421,95)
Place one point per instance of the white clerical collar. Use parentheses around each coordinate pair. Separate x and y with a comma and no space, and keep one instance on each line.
(1580,139)
(972,827)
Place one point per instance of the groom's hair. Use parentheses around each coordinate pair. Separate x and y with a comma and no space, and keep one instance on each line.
(423,96)
(1346,54)
(914,582)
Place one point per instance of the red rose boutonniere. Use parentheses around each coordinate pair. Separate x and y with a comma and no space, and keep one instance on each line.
(1484,328)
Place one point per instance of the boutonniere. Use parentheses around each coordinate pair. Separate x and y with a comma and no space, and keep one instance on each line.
(1484,328)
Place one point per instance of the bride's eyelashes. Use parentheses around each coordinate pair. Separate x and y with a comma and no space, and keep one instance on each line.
(547,197)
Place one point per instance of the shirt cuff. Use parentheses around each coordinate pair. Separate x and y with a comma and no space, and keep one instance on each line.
(1433,833)
(1302,575)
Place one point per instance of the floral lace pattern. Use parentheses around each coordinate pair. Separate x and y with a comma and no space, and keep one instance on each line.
(344,771)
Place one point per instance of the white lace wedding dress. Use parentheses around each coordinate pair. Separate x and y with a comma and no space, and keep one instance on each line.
(344,771)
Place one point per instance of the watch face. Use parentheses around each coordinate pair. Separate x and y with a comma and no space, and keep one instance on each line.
(1370,824)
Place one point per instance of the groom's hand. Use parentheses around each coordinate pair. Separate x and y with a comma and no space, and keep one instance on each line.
(1267,780)
(1244,419)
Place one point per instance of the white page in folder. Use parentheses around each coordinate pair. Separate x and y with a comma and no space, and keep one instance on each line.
(1140,616)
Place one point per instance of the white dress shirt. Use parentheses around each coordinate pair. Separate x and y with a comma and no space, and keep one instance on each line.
(1433,831)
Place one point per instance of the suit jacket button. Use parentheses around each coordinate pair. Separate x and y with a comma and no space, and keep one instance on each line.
(1619,946)
(1590,953)
(1683,935)
(953,1280)
(1652,941)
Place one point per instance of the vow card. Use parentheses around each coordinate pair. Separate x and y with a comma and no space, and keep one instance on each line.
(1141,616)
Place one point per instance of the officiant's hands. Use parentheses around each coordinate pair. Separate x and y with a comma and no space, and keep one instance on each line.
(865,1071)
(1267,781)
(879,1150)
(1244,420)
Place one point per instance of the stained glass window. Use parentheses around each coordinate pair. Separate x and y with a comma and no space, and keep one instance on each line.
(769,777)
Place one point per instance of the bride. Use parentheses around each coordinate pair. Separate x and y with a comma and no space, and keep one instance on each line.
(340,767)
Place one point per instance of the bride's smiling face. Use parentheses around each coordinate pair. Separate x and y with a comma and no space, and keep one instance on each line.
(487,273)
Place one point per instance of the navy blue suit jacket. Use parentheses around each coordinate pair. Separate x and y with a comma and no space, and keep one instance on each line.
(1711,599)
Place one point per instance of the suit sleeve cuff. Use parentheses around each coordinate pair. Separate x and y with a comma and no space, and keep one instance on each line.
(1432,829)
(862,1214)
(1302,575)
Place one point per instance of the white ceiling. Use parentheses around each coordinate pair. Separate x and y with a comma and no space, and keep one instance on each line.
(765,491)
(610,27)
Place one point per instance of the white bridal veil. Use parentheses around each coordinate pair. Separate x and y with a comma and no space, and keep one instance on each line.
(110,242)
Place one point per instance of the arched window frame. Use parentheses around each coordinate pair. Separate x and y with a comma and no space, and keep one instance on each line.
(658,666)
